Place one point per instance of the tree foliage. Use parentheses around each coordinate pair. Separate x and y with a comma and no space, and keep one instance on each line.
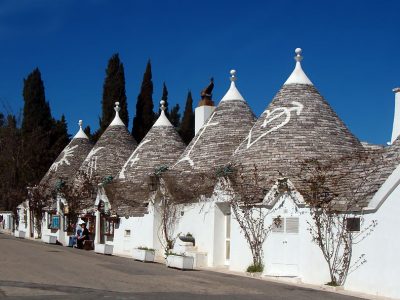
(175,116)
(332,207)
(28,147)
(144,118)
(113,91)
(186,129)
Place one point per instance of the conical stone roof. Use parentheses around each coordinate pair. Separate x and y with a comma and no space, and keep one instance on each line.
(296,126)
(69,160)
(161,147)
(110,152)
(216,141)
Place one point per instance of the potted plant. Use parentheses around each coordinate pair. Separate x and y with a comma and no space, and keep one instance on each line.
(179,261)
(255,270)
(144,254)
(188,238)
(103,249)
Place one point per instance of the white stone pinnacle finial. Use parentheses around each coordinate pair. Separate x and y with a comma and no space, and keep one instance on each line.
(298,56)
(162,105)
(117,108)
(80,134)
(233,75)
(298,76)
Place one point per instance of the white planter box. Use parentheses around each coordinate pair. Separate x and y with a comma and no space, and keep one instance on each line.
(103,249)
(49,239)
(180,262)
(20,234)
(143,255)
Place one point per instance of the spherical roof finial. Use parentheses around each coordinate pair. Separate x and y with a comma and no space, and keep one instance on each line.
(80,123)
(162,105)
(117,108)
(233,75)
(298,56)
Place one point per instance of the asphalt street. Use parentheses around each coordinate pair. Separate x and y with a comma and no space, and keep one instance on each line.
(33,270)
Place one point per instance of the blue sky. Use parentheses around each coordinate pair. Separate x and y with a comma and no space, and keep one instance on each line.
(350,48)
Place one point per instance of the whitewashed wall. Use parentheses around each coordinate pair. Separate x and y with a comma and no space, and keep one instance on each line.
(143,232)
(8,221)
(380,275)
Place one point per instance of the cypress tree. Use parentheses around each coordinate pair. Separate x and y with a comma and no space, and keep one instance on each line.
(187,126)
(165,98)
(43,137)
(144,118)
(113,91)
(175,116)
(36,113)
(59,136)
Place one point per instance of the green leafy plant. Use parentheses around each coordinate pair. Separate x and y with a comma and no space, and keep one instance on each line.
(255,268)
(176,254)
(146,248)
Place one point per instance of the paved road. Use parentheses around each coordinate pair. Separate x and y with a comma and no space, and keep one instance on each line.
(32,270)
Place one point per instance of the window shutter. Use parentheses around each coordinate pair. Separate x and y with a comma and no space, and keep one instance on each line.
(292,225)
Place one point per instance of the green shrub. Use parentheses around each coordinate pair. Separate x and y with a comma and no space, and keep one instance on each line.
(332,283)
(255,268)
(146,248)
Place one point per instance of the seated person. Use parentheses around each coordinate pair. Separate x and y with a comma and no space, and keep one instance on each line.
(73,239)
(84,236)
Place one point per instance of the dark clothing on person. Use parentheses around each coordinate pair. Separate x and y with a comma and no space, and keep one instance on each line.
(84,237)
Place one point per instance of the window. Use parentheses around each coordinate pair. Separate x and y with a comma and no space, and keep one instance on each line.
(127,233)
(292,225)
(353,224)
(49,218)
(277,225)
(66,223)
(285,225)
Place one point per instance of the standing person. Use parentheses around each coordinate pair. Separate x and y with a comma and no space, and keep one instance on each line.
(84,236)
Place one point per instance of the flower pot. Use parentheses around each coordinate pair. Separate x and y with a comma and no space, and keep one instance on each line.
(254,274)
(19,234)
(104,249)
(49,239)
(143,255)
(180,262)
(187,239)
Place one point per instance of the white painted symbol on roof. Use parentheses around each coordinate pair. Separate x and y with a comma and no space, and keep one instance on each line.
(273,115)
(187,156)
(91,160)
(68,152)
(132,159)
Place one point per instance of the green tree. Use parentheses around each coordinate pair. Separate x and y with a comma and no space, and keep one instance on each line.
(186,129)
(113,91)
(165,98)
(144,118)
(36,113)
(175,116)
(59,137)
(43,137)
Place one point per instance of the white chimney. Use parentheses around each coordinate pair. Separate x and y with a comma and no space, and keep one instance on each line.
(396,119)
(201,115)
(205,108)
